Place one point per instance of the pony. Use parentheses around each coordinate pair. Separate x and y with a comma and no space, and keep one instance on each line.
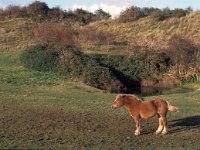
(138,108)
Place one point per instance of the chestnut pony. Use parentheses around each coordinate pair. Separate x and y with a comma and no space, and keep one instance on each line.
(138,108)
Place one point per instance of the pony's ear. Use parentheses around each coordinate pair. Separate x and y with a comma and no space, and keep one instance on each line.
(123,96)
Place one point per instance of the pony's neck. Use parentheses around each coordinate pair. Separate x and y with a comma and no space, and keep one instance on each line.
(132,103)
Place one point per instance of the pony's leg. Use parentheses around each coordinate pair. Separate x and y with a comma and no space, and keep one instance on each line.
(137,131)
(165,130)
(161,126)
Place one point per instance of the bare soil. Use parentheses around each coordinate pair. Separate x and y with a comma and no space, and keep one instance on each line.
(45,127)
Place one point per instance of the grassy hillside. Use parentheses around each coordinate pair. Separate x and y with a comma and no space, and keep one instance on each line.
(148,31)
(15,33)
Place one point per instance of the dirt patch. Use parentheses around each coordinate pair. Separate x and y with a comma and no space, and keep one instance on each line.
(38,127)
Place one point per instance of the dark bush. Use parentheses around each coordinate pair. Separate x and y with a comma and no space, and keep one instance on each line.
(101,14)
(130,70)
(126,70)
(88,70)
(148,11)
(179,12)
(155,63)
(167,13)
(38,58)
(37,8)
(101,77)
(84,17)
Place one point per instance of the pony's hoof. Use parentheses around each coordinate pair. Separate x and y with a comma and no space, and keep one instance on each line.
(157,133)
(137,133)
(163,133)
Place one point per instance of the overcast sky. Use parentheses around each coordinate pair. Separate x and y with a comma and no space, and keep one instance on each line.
(114,7)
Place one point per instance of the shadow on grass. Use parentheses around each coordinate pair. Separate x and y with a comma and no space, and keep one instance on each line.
(185,123)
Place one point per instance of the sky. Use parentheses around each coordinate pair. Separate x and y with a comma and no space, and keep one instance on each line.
(114,7)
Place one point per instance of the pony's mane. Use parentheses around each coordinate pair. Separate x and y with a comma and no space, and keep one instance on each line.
(131,95)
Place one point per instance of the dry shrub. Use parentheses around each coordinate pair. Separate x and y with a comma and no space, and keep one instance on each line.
(52,35)
(184,56)
(131,14)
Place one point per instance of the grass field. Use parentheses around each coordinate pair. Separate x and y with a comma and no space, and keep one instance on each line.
(49,111)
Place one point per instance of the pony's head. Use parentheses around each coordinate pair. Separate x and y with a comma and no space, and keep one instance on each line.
(119,101)
(125,99)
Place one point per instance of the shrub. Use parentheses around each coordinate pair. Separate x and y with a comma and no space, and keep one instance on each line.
(52,35)
(37,8)
(126,70)
(101,77)
(88,70)
(101,14)
(15,11)
(84,17)
(155,63)
(167,13)
(56,13)
(179,12)
(184,55)
(131,14)
(130,70)
(38,58)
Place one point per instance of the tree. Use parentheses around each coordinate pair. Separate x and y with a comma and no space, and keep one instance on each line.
(38,8)
(130,14)
(56,13)
(167,13)
(149,11)
(101,14)
(84,16)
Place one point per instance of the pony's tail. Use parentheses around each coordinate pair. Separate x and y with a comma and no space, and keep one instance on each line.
(172,108)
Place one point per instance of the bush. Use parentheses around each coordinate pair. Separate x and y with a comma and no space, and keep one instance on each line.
(37,8)
(88,70)
(56,13)
(101,14)
(101,77)
(84,16)
(126,70)
(131,14)
(38,58)
(52,35)
(15,11)
(155,63)
(184,56)
(167,13)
